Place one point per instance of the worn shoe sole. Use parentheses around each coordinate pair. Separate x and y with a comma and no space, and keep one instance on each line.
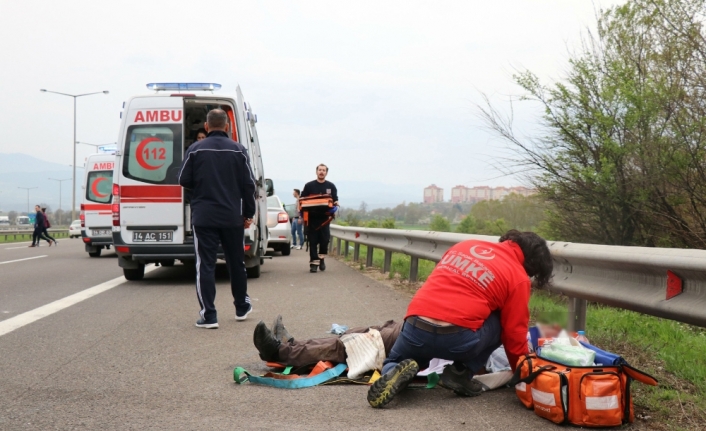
(207,325)
(244,316)
(458,388)
(389,385)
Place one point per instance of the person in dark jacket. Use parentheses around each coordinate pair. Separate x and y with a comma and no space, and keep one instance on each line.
(318,231)
(217,171)
(47,225)
(37,235)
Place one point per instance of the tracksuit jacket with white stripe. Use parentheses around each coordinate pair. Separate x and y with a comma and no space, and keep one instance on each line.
(217,170)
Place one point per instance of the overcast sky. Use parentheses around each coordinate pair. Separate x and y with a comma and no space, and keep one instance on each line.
(381,91)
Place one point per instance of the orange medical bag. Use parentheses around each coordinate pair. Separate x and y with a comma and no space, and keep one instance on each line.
(595,396)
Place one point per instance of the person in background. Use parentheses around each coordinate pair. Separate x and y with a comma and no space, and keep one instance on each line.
(201,135)
(318,231)
(297,223)
(38,228)
(47,225)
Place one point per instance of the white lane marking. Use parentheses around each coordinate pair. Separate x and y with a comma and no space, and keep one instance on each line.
(20,260)
(25,242)
(15,248)
(28,317)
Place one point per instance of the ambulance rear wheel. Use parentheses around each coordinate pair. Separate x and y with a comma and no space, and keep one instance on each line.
(135,274)
(96,253)
(253,272)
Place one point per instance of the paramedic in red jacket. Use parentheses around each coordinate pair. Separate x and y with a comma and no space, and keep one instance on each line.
(475,299)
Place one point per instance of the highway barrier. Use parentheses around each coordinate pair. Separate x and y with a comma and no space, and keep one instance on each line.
(15,235)
(662,282)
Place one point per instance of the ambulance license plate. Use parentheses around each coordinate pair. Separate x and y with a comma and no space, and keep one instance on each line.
(152,236)
(100,232)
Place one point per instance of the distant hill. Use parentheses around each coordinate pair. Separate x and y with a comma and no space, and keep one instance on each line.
(22,170)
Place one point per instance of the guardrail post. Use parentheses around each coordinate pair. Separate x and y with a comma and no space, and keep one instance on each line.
(577,315)
(413,269)
(356,252)
(338,246)
(345,252)
(387,263)
(369,257)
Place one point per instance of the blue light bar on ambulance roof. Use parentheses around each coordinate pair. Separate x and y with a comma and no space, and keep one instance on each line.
(183,86)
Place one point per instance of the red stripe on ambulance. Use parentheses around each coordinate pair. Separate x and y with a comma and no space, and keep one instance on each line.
(150,194)
(158,116)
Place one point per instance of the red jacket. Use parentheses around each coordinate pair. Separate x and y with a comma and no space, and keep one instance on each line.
(473,279)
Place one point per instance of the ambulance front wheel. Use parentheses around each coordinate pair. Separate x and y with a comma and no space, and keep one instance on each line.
(135,274)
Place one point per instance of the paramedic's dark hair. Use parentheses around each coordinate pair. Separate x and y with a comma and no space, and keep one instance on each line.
(317,167)
(217,119)
(202,130)
(538,261)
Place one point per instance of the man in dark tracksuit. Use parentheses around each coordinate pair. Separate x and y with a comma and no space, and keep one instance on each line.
(37,235)
(318,230)
(217,171)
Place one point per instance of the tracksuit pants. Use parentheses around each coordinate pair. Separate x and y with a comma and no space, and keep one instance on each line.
(318,242)
(206,241)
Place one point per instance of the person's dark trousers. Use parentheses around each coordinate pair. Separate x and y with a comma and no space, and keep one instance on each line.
(36,235)
(318,242)
(206,240)
(471,348)
(45,235)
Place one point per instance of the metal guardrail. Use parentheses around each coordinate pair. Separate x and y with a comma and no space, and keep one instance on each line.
(13,234)
(633,278)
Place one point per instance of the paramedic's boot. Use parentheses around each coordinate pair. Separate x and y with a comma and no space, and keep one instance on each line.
(280,332)
(391,383)
(322,265)
(265,343)
(460,381)
(313,267)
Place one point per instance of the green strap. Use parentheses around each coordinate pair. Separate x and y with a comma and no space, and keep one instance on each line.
(432,380)
(287,370)
(240,375)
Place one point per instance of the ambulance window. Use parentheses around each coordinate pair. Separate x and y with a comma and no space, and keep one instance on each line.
(99,187)
(153,153)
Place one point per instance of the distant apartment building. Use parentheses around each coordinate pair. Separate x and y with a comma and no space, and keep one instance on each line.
(483,193)
(433,194)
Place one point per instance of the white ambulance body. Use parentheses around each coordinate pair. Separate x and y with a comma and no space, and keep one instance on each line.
(96,209)
(151,220)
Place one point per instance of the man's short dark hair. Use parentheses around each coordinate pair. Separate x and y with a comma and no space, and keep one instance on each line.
(321,164)
(538,260)
(298,191)
(217,119)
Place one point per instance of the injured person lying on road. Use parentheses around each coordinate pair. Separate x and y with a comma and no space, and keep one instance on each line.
(365,348)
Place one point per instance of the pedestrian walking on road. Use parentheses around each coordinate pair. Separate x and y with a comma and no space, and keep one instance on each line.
(297,223)
(39,228)
(47,225)
(318,230)
(476,298)
(218,173)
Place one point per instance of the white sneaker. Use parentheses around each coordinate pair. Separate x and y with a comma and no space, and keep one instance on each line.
(299,247)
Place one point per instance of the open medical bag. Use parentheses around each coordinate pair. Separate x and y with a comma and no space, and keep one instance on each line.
(317,204)
(592,396)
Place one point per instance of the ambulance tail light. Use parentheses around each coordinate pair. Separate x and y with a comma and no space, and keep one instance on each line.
(247,247)
(122,249)
(282,217)
(86,239)
(116,205)
(82,216)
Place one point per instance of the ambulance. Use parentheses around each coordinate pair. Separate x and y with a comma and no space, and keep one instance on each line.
(151,213)
(96,210)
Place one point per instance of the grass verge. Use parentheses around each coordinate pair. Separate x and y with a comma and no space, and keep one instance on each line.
(21,237)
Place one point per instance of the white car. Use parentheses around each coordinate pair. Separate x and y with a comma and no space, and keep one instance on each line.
(280,231)
(75,229)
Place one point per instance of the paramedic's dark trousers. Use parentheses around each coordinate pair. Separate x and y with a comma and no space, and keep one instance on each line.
(318,242)
(206,240)
(469,347)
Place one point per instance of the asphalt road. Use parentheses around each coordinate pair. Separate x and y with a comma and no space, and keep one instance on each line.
(131,358)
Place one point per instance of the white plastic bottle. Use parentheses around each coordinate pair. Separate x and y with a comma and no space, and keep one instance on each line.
(582,337)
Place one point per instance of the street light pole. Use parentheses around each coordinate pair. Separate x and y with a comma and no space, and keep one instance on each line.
(96,145)
(60,181)
(75,96)
(28,189)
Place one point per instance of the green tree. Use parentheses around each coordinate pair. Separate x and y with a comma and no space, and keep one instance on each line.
(389,223)
(372,223)
(440,224)
(467,225)
(620,157)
